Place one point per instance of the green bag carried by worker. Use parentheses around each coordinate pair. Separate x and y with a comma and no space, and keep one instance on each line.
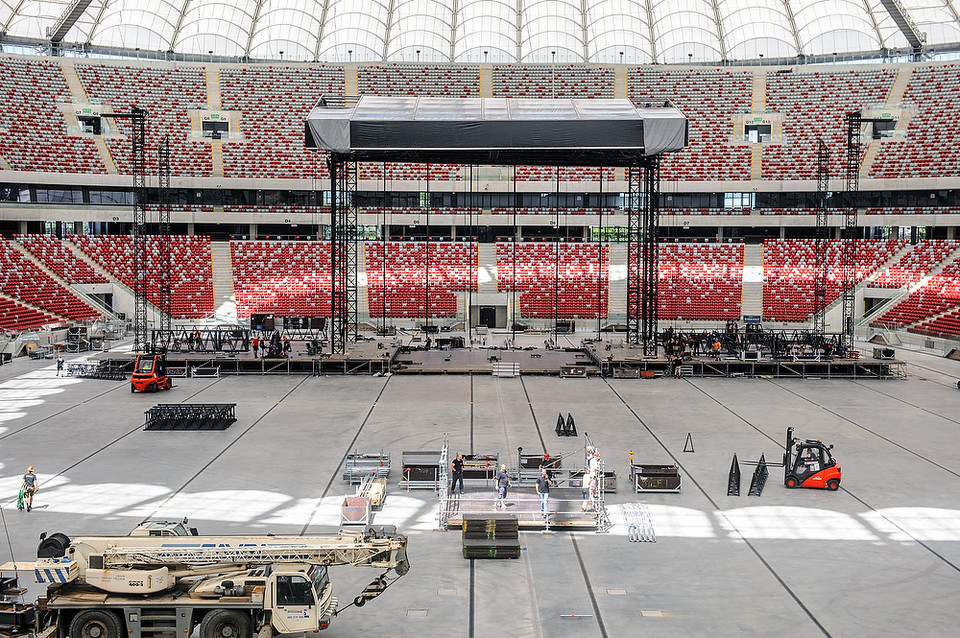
(20,500)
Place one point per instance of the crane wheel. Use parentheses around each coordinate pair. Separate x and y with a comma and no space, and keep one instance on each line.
(833,485)
(225,623)
(95,623)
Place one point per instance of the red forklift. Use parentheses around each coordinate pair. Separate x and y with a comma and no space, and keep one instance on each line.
(150,373)
(809,463)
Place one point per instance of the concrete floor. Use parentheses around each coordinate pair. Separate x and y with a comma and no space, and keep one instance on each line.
(881,557)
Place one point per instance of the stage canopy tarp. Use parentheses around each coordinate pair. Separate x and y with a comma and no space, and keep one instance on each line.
(562,132)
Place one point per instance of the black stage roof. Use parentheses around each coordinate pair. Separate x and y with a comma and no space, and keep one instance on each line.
(551,132)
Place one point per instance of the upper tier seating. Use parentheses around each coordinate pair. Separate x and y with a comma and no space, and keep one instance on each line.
(929,148)
(789,273)
(286,278)
(553,81)
(813,106)
(166,93)
(60,259)
(709,98)
(17,318)
(22,279)
(402,286)
(274,102)
(33,132)
(191,272)
(583,277)
(399,79)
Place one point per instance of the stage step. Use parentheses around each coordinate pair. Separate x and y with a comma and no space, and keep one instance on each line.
(491,536)
(483,548)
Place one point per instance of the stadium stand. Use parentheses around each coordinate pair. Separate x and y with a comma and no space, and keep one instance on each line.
(33,132)
(813,106)
(22,279)
(273,102)
(709,98)
(396,283)
(166,92)
(700,280)
(538,266)
(553,81)
(936,294)
(789,272)
(418,80)
(934,91)
(191,275)
(16,317)
(61,260)
(287,278)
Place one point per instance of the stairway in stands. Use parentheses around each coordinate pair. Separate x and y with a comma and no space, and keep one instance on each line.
(486,268)
(617,288)
(751,303)
(225,307)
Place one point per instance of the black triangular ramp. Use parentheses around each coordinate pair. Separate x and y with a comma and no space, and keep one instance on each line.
(561,428)
(571,426)
(688,444)
(759,478)
(733,480)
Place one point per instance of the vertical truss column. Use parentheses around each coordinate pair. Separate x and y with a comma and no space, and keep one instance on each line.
(849,239)
(343,252)
(163,218)
(643,230)
(651,260)
(822,267)
(633,255)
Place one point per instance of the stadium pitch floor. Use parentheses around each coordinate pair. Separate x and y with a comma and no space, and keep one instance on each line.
(880,557)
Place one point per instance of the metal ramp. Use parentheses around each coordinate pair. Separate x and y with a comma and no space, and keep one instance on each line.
(196,416)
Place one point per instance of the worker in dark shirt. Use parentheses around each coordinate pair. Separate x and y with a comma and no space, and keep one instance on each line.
(503,482)
(30,487)
(543,489)
(457,467)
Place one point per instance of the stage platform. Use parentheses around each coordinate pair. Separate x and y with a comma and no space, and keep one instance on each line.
(528,356)
(523,502)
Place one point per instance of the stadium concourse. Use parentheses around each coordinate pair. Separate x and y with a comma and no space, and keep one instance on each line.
(879,557)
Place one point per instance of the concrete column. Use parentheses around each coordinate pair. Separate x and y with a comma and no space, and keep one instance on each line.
(253,231)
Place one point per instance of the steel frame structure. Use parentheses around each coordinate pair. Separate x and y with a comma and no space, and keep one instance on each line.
(343,251)
(163,219)
(854,122)
(823,234)
(138,159)
(643,230)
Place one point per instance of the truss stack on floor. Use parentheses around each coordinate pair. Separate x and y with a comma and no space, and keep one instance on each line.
(491,536)
(197,416)
(639,524)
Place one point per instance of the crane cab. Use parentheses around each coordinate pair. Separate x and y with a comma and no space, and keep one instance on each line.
(810,463)
(150,373)
(299,599)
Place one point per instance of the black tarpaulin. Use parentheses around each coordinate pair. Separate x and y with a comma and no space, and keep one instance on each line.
(606,132)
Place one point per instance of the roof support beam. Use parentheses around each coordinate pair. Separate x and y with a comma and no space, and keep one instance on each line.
(66,21)
(176,30)
(13,14)
(906,24)
(519,40)
(389,28)
(583,30)
(253,27)
(323,27)
(788,11)
(720,34)
(652,33)
(454,21)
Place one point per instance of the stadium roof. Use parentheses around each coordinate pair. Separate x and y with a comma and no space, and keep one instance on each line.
(495,31)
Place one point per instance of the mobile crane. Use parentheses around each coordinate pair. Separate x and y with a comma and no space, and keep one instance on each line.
(163,586)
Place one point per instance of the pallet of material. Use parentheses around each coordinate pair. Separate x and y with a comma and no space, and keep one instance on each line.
(374,489)
(491,548)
